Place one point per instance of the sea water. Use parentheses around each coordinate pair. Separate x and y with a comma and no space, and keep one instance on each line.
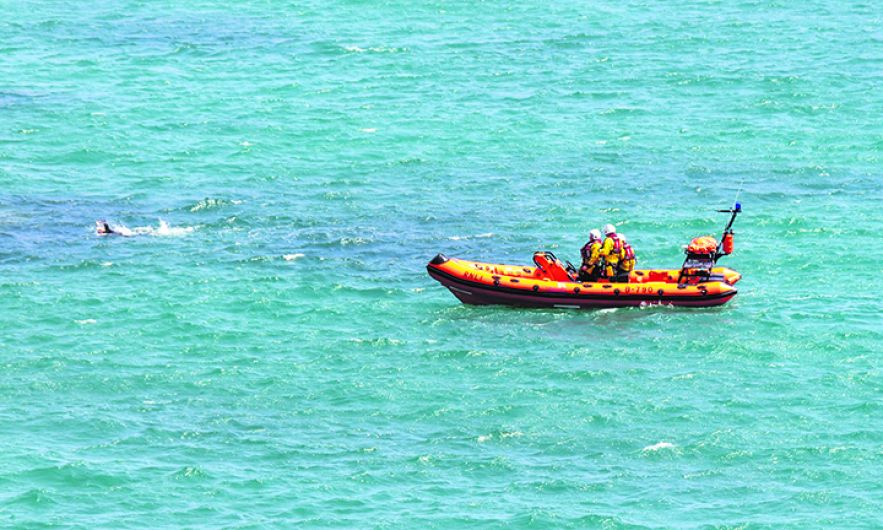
(267,349)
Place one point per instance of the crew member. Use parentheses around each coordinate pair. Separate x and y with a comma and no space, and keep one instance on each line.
(610,250)
(626,259)
(591,254)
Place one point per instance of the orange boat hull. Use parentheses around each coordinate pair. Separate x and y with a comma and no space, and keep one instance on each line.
(487,283)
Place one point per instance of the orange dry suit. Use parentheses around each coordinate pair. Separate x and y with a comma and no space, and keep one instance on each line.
(591,254)
(627,258)
(610,251)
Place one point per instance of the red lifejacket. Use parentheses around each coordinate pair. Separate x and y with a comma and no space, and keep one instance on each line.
(627,251)
(586,251)
(617,243)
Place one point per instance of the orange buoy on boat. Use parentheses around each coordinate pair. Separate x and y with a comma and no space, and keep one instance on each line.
(728,243)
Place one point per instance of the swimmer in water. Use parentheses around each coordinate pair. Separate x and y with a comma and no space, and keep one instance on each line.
(102,228)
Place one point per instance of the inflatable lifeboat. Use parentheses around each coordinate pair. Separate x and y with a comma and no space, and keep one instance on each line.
(549,283)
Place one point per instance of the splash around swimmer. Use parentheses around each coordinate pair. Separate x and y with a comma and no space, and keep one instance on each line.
(104,228)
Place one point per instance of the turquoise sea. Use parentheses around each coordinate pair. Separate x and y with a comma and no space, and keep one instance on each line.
(268,351)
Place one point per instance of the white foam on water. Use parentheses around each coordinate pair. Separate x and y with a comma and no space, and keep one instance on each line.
(658,446)
(122,230)
(292,257)
(477,236)
(86,321)
(484,438)
(163,230)
(345,241)
(374,49)
(209,203)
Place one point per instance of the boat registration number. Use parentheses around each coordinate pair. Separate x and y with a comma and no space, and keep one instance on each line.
(638,290)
